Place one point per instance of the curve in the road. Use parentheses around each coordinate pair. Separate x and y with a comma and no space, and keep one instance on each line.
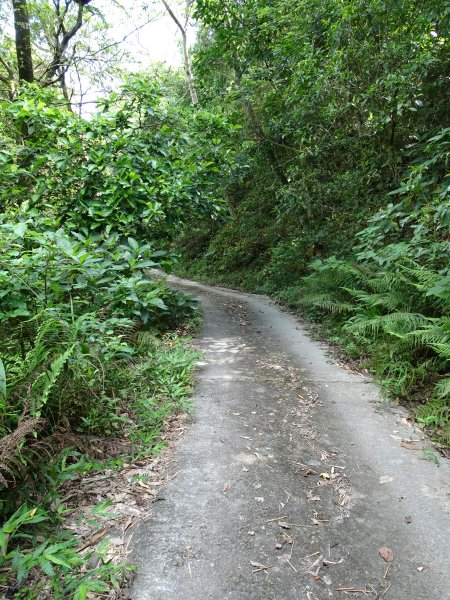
(280,491)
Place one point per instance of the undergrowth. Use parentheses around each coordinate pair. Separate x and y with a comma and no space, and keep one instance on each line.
(131,406)
(385,303)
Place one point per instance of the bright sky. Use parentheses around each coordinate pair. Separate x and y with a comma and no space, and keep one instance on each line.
(158,41)
(148,42)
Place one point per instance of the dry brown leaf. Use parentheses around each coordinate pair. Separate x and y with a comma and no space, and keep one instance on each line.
(96,537)
(288,539)
(410,445)
(127,524)
(142,484)
(140,501)
(386,554)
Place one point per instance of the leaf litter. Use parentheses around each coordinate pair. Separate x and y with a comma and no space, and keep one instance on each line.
(104,508)
(386,554)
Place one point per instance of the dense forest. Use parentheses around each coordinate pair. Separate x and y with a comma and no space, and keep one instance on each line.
(303,152)
(339,199)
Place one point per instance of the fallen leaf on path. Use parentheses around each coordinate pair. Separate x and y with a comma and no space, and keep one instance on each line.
(386,554)
(386,479)
(349,590)
(259,566)
(96,537)
(143,485)
(128,524)
(410,445)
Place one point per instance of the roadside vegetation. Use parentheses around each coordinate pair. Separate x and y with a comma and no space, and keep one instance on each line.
(339,204)
(304,152)
(95,357)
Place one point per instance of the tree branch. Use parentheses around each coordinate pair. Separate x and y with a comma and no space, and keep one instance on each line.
(61,47)
(187,61)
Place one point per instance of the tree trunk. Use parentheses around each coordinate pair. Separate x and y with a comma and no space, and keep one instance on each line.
(23,41)
(188,70)
(187,60)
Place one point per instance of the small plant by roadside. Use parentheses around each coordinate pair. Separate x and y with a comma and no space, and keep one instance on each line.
(39,556)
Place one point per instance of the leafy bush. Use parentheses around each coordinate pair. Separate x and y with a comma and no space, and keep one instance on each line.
(138,168)
(395,301)
(23,553)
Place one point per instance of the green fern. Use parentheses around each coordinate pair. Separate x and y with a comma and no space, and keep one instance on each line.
(435,414)
(442,389)
(326,303)
(45,382)
(389,300)
(396,324)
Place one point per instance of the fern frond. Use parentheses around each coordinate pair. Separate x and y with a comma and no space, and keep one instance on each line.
(383,282)
(397,324)
(326,303)
(442,390)
(388,300)
(435,334)
(45,381)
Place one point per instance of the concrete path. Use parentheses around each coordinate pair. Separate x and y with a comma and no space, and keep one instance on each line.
(279,492)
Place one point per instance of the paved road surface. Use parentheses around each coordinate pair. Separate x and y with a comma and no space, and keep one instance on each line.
(281,469)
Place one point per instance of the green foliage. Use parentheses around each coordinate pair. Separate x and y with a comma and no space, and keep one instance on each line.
(57,558)
(340,203)
(70,312)
(87,332)
(140,163)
